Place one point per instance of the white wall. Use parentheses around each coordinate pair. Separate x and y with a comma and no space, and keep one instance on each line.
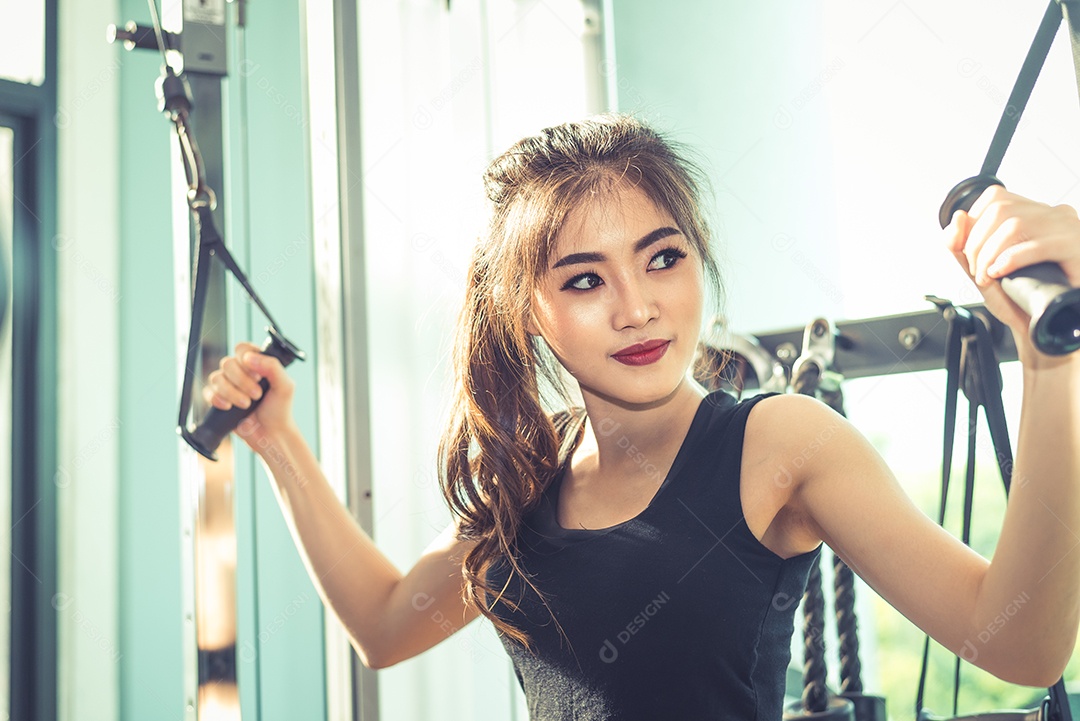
(834,131)
(442,92)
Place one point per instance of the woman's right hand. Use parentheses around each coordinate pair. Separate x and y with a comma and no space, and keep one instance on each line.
(236,383)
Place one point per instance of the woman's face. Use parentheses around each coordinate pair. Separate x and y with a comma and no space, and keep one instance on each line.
(621,274)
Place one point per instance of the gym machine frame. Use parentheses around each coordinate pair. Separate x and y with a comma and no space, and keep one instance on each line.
(885,345)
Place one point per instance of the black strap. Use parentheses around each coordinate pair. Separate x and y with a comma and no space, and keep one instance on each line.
(1071,10)
(174,98)
(971,364)
(953,338)
(1029,73)
(953,351)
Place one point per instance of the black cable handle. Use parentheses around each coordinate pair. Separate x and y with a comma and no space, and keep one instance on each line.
(175,101)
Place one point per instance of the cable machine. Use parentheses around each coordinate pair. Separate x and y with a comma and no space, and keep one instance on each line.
(815,360)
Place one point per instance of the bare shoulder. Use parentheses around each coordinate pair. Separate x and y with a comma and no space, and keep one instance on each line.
(784,430)
(783,433)
(820,478)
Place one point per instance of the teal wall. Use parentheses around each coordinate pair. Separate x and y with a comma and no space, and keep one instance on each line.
(267,227)
(151,672)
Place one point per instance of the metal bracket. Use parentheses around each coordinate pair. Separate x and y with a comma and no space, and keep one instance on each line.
(886,345)
(819,350)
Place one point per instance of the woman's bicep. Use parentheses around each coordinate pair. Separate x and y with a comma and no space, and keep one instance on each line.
(853,502)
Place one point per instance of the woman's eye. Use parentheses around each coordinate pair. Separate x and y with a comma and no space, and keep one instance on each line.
(668,257)
(671,256)
(585,281)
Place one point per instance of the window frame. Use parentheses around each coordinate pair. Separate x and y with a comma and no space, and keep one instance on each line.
(30,110)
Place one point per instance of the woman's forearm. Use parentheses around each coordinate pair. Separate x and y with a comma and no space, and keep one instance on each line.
(353,577)
(1029,602)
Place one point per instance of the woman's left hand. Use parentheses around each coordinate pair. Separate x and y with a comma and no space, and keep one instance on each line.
(1004,232)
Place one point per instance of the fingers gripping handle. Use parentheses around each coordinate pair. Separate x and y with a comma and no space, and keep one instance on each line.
(217,424)
(1042,289)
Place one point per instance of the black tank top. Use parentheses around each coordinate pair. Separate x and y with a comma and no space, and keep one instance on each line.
(679,613)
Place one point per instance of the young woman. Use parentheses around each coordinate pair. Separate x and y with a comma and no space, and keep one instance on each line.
(641,557)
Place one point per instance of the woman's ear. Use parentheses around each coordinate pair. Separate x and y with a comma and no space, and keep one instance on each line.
(531,326)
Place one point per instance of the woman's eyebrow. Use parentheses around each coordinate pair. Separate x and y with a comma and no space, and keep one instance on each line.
(640,245)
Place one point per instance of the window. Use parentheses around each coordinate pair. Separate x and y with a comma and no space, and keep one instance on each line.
(22,41)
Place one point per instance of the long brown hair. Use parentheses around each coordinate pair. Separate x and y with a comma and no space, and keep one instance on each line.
(501,447)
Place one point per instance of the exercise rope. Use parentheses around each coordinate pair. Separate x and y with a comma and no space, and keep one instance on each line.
(847,627)
(815,696)
(844,586)
(814,376)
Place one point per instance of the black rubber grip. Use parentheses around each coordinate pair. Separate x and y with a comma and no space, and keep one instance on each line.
(1042,290)
(217,424)
(963,196)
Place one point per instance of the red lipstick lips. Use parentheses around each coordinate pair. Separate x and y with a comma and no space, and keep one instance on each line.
(641,354)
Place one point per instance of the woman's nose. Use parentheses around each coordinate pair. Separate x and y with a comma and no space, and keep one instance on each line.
(635,305)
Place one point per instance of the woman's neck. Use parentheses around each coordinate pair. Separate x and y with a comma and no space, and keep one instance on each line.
(623,442)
